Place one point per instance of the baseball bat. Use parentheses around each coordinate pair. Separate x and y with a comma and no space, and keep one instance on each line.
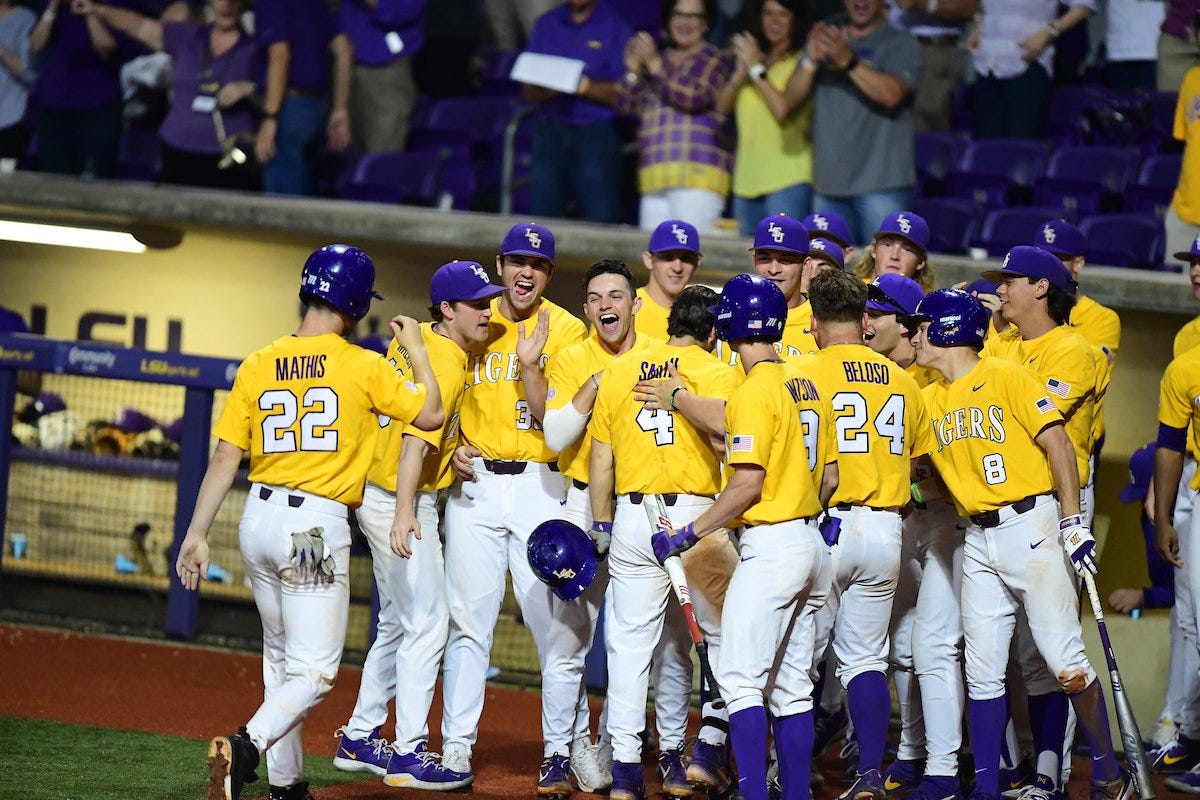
(1131,737)
(656,513)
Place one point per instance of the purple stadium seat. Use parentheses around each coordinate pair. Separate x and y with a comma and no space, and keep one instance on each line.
(1005,228)
(483,117)
(409,178)
(1069,110)
(334,171)
(1124,240)
(935,154)
(457,185)
(441,142)
(1086,180)
(998,172)
(952,222)
(1151,191)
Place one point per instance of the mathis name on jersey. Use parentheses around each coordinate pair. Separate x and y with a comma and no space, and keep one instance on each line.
(292,368)
(969,423)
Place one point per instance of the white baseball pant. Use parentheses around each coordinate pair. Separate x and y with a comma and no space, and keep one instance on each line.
(1183,687)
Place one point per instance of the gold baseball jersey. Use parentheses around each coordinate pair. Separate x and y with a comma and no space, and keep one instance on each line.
(922,375)
(651,318)
(1003,344)
(763,428)
(495,415)
(1179,399)
(304,408)
(569,369)
(985,426)
(797,337)
(1187,338)
(659,451)
(815,413)
(449,363)
(878,423)
(1104,370)
(1099,324)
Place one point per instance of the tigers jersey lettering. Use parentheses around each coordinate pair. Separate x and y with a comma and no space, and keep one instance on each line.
(763,428)
(985,426)
(1187,338)
(1098,324)
(495,415)
(449,363)
(569,369)
(1179,398)
(304,408)
(877,423)
(651,318)
(659,451)
(797,337)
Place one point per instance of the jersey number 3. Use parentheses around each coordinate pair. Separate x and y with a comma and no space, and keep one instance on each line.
(320,406)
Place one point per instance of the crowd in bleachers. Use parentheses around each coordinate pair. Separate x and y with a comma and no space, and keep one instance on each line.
(978,114)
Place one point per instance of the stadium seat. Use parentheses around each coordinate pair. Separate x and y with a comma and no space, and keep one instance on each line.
(445,144)
(483,117)
(998,172)
(409,178)
(936,153)
(1152,188)
(1086,180)
(1005,228)
(457,185)
(1069,110)
(1124,240)
(953,223)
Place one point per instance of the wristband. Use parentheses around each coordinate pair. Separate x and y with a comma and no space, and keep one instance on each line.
(851,64)
(595,382)
(602,527)
(758,72)
(917,497)
(1070,522)
(808,65)
(1053,30)
(674,392)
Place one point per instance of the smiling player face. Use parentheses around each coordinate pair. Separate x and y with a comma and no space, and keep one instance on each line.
(671,269)
(524,279)
(468,319)
(609,306)
(782,268)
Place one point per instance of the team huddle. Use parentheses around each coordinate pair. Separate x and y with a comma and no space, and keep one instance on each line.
(862,481)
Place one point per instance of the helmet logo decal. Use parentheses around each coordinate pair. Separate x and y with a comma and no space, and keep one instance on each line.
(680,234)
(775,231)
(566,573)
(535,239)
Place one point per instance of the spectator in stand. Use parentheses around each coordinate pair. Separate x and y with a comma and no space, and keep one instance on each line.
(16,76)
(1131,44)
(939,27)
(768,96)
(900,245)
(385,35)
(1013,49)
(1182,222)
(511,21)
(862,117)
(1177,44)
(78,92)
(309,69)
(576,141)
(215,69)
(684,158)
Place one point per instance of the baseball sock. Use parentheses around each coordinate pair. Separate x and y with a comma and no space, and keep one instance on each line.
(1092,716)
(870,704)
(748,734)
(1048,720)
(987,718)
(793,748)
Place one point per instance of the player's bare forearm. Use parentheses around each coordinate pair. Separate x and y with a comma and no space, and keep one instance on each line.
(601,481)
(217,480)
(1168,470)
(408,475)
(829,482)
(744,488)
(585,399)
(706,413)
(1063,467)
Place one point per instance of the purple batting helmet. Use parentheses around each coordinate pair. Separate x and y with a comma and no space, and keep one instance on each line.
(563,557)
(342,276)
(750,306)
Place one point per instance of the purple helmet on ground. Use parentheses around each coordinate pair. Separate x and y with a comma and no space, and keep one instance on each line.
(563,557)
(342,276)
(750,306)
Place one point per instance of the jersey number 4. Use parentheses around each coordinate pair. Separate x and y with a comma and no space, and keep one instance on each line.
(660,422)
(320,412)
(889,423)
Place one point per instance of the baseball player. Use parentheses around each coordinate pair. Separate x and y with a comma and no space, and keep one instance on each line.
(832,226)
(304,408)
(671,258)
(777,449)
(1001,448)
(1189,335)
(399,516)
(900,245)
(879,428)
(509,484)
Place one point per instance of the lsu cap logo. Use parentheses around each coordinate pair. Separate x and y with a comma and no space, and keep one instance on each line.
(535,240)
(680,234)
(1048,234)
(776,232)
(820,222)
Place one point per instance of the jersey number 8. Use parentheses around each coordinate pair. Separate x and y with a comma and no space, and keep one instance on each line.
(283,408)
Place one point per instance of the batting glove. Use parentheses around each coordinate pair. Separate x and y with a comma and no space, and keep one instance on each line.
(601,535)
(310,556)
(667,544)
(1080,544)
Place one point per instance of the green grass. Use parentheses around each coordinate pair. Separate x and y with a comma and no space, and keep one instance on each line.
(56,761)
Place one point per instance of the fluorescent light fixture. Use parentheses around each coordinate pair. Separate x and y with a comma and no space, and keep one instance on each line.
(69,236)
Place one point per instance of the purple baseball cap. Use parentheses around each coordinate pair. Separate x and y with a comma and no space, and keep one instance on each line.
(982,286)
(461,280)
(1024,261)
(675,234)
(1141,468)
(1060,238)
(826,250)
(828,225)
(893,293)
(528,239)
(1189,255)
(908,225)
(781,232)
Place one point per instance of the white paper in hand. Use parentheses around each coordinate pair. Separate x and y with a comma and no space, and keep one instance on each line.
(553,72)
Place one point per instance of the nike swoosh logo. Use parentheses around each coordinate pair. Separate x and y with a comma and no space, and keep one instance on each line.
(1016,784)
(746,558)
(1036,545)
(350,756)
(891,785)
(1169,760)
(977,388)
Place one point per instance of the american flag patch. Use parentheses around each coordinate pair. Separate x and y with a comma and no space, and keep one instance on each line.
(754,324)
(1045,405)
(1055,386)
(742,444)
